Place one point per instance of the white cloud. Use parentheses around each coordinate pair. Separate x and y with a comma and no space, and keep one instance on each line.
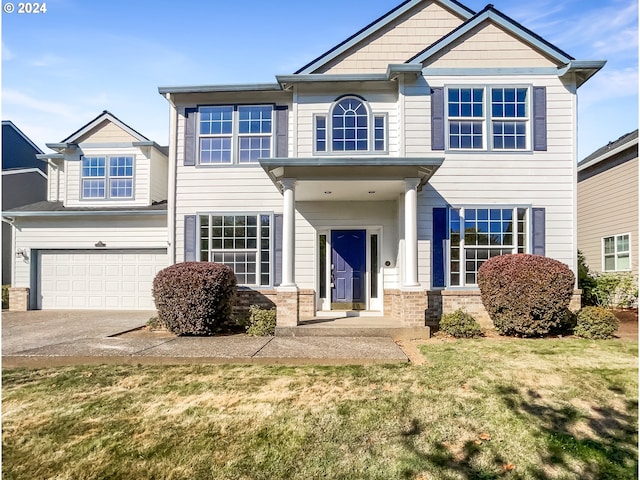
(7,54)
(48,60)
(606,85)
(12,97)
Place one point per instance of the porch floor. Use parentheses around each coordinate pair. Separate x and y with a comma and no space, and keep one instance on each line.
(341,326)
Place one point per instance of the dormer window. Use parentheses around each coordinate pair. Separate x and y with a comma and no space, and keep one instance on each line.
(107,177)
(350,126)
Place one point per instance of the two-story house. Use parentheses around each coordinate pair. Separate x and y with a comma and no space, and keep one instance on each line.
(377,178)
(24,181)
(100,237)
(373,181)
(608,206)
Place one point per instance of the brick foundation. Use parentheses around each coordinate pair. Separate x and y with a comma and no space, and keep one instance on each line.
(245,297)
(287,308)
(413,307)
(19,299)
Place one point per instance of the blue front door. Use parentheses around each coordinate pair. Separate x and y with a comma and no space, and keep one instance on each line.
(348,268)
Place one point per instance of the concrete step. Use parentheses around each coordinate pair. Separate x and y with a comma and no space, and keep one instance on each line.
(395,332)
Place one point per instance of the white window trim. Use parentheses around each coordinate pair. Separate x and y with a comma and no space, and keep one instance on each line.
(235,135)
(107,178)
(616,253)
(527,248)
(371,116)
(272,226)
(487,119)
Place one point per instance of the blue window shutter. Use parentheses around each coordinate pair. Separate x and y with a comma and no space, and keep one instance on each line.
(277,251)
(539,231)
(190,238)
(190,150)
(540,118)
(437,118)
(282,131)
(440,231)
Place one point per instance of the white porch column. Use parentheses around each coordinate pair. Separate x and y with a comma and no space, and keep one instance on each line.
(288,232)
(411,232)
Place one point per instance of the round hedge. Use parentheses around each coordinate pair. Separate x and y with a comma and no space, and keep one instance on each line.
(596,322)
(194,298)
(460,324)
(526,295)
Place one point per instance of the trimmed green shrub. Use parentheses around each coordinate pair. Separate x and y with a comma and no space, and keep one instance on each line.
(596,322)
(5,296)
(194,298)
(460,324)
(262,321)
(526,295)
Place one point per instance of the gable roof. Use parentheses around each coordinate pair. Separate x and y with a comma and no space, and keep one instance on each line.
(10,124)
(489,13)
(624,142)
(105,115)
(377,25)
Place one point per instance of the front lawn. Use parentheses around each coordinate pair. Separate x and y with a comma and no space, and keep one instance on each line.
(480,409)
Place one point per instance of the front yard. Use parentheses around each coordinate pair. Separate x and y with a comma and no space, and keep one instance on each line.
(480,409)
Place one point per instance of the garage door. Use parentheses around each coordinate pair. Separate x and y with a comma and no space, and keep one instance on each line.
(117,280)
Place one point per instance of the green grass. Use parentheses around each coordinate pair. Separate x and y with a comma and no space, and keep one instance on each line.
(478,409)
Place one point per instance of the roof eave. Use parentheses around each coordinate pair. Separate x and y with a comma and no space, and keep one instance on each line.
(248,87)
(582,69)
(76,213)
(608,154)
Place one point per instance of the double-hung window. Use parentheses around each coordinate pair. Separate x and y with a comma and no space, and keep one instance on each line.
(239,134)
(107,177)
(488,118)
(242,242)
(477,234)
(616,251)
(350,127)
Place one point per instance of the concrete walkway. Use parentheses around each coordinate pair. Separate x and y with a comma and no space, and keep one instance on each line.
(48,338)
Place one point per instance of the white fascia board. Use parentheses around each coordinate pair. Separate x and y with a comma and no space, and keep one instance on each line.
(23,170)
(608,154)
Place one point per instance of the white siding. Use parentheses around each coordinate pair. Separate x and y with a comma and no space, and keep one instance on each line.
(141,178)
(136,232)
(159,176)
(382,99)
(540,179)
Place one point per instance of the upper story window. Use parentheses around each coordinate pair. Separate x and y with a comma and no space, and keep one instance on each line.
(239,134)
(488,118)
(616,253)
(350,127)
(107,177)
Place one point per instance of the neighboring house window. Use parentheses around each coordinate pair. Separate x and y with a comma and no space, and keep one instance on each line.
(107,177)
(235,134)
(242,242)
(616,253)
(477,234)
(505,110)
(350,127)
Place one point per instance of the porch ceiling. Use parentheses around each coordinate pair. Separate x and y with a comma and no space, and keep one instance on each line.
(353,179)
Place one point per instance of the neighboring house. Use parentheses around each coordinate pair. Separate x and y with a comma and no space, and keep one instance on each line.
(101,235)
(24,181)
(608,206)
(378,178)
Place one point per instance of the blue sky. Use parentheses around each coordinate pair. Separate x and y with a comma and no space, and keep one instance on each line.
(61,68)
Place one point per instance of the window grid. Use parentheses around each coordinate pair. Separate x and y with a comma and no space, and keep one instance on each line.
(466,118)
(242,242)
(350,128)
(507,112)
(616,253)
(379,133)
(477,234)
(235,134)
(98,172)
(321,133)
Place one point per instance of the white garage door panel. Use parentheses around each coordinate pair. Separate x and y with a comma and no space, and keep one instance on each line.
(98,280)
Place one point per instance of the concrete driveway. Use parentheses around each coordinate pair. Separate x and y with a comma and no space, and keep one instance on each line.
(40,328)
